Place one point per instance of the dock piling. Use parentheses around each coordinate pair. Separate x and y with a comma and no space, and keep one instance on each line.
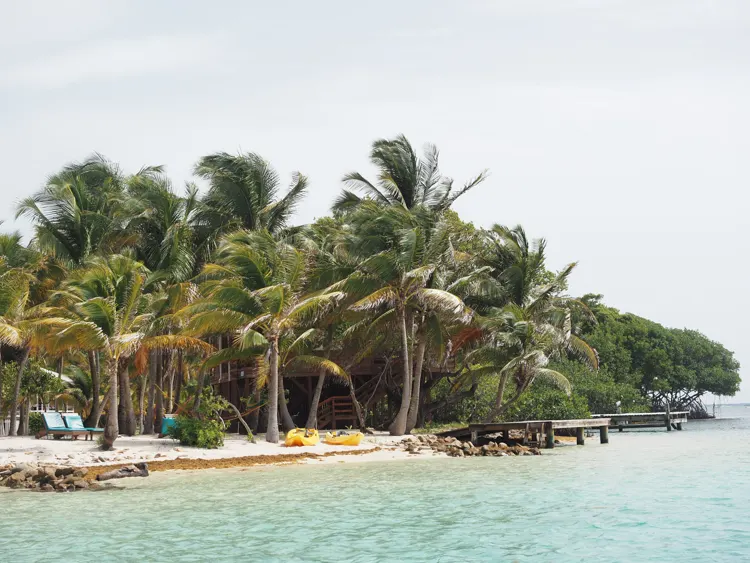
(603,435)
(580,436)
(549,432)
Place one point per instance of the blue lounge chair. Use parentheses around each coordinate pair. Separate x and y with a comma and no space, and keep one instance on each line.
(54,426)
(74,422)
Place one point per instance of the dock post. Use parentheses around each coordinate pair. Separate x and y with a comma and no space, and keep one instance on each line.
(506,436)
(604,435)
(550,435)
(668,418)
(679,426)
(580,436)
(474,437)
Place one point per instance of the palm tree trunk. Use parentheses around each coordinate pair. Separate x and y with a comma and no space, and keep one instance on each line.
(357,406)
(180,377)
(111,428)
(148,426)
(23,421)
(286,419)
(159,402)
(398,426)
(272,431)
(199,390)
(498,410)
(170,391)
(312,417)
(126,400)
(411,418)
(96,406)
(255,415)
(143,384)
(17,390)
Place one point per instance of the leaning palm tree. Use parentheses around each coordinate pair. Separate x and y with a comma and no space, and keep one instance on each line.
(22,325)
(256,290)
(330,262)
(75,213)
(162,222)
(394,282)
(244,194)
(107,310)
(403,179)
(530,321)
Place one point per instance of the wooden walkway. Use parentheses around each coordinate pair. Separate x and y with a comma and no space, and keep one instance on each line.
(632,420)
(534,430)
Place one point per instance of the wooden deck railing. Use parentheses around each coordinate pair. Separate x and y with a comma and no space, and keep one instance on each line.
(336,410)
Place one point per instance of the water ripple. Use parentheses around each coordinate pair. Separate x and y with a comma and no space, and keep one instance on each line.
(652,496)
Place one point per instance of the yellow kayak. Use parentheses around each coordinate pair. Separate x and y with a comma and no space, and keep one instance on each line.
(302,437)
(343,439)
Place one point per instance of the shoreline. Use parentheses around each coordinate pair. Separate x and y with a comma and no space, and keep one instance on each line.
(164,454)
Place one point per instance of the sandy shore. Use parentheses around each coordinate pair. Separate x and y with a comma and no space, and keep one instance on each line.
(165,454)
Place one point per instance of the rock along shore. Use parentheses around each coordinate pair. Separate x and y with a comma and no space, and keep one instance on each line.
(45,478)
(454,447)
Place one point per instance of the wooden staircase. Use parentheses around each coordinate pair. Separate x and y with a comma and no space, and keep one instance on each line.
(335,411)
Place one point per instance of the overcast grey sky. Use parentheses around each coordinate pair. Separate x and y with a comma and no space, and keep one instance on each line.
(618,130)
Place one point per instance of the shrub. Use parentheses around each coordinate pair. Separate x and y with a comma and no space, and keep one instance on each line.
(35,423)
(190,431)
(545,403)
(203,428)
(601,390)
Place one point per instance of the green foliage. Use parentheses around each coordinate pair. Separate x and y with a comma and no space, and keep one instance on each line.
(659,361)
(40,382)
(600,389)
(544,403)
(35,423)
(7,381)
(189,431)
(203,428)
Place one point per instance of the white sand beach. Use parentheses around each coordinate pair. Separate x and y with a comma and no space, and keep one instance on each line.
(135,449)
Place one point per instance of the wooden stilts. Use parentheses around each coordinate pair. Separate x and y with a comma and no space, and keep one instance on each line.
(580,440)
(550,435)
(603,435)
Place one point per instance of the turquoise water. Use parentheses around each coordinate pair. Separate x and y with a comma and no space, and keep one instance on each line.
(647,496)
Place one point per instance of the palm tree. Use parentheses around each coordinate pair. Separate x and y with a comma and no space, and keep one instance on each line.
(330,263)
(394,281)
(75,213)
(530,321)
(109,311)
(163,223)
(244,194)
(256,289)
(21,325)
(404,179)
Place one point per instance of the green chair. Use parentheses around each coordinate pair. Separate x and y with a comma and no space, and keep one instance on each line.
(74,422)
(54,426)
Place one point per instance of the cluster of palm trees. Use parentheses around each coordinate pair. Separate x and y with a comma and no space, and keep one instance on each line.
(146,290)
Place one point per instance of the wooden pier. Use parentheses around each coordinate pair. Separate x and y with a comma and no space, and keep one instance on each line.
(632,420)
(540,431)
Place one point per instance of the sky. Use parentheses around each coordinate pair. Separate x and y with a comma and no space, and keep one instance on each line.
(617,130)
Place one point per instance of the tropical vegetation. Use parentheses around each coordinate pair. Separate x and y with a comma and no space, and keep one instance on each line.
(137,293)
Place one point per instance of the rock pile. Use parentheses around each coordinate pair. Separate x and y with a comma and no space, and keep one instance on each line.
(456,448)
(46,478)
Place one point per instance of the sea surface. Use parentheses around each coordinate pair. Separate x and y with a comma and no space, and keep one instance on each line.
(646,496)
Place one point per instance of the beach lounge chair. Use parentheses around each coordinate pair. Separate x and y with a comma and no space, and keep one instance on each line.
(54,425)
(74,422)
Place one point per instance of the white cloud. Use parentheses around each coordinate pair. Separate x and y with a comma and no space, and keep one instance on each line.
(114,59)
